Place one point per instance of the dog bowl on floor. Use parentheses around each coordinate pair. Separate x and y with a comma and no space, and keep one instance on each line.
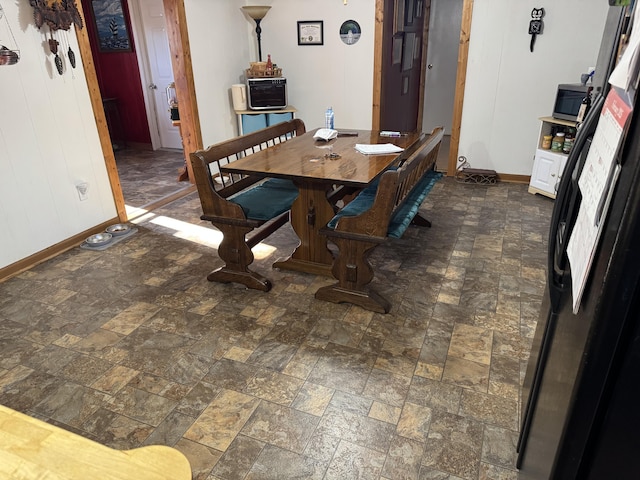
(118,229)
(99,239)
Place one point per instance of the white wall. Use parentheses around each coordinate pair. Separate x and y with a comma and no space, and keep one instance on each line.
(508,88)
(334,74)
(48,142)
(219,36)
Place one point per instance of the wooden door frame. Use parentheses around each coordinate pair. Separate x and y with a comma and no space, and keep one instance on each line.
(185,93)
(461,76)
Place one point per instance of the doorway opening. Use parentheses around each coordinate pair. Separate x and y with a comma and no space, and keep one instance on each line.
(440,75)
(388,34)
(148,154)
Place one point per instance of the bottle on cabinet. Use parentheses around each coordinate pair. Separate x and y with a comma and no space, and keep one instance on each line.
(269,65)
(568,142)
(557,142)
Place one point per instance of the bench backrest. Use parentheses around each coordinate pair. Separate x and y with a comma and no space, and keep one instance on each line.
(395,186)
(213,186)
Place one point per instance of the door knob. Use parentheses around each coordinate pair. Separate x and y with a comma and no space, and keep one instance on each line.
(153,86)
(430,66)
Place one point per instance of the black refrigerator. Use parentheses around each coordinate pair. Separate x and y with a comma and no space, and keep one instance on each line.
(581,393)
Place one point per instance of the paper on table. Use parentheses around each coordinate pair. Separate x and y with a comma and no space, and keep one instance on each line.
(378,149)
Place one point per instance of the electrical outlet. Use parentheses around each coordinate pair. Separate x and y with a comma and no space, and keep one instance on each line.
(83,191)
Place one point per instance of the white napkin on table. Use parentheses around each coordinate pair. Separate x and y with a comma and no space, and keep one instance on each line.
(378,149)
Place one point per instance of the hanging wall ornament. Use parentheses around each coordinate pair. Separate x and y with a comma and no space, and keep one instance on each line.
(72,58)
(57,15)
(66,47)
(8,55)
(53,46)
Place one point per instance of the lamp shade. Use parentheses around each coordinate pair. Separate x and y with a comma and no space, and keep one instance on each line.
(256,12)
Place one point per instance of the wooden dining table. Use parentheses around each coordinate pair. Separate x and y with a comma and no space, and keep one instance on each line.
(316,167)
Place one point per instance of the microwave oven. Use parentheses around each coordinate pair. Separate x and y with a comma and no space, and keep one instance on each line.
(569,97)
(267,93)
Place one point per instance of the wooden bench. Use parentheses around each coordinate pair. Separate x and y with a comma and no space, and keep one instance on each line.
(381,211)
(240,204)
(33,449)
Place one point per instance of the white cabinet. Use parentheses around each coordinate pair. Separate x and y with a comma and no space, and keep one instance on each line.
(547,171)
(548,165)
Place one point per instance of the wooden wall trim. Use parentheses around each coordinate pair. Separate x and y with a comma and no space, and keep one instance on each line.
(183,74)
(377,64)
(510,178)
(461,79)
(101,121)
(50,252)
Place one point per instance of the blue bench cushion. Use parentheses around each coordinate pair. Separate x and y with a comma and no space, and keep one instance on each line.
(267,200)
(403,216)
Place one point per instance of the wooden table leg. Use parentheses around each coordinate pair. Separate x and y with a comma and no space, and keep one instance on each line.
(309,213)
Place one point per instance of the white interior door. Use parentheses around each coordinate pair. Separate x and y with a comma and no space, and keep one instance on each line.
(159,62)
(442,64)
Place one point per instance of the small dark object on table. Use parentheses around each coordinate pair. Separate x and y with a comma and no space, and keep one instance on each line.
(347,133)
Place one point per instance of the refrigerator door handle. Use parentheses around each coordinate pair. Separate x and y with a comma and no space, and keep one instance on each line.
(567,204)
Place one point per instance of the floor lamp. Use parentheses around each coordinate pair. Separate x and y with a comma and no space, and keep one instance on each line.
(257,13)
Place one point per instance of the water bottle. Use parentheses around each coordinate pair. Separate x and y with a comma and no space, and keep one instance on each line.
(328,118)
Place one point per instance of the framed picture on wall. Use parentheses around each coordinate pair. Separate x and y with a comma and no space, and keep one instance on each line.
(111,26)
(310,32)
(350,32)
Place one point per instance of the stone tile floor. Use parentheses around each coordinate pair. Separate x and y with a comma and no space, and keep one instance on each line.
(132,346)
(147,176)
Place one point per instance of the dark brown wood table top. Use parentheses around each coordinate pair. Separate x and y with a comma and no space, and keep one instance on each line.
(304,157)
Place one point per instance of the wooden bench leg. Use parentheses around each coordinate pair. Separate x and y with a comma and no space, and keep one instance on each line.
(420,221)
(237,255)
(353,271)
